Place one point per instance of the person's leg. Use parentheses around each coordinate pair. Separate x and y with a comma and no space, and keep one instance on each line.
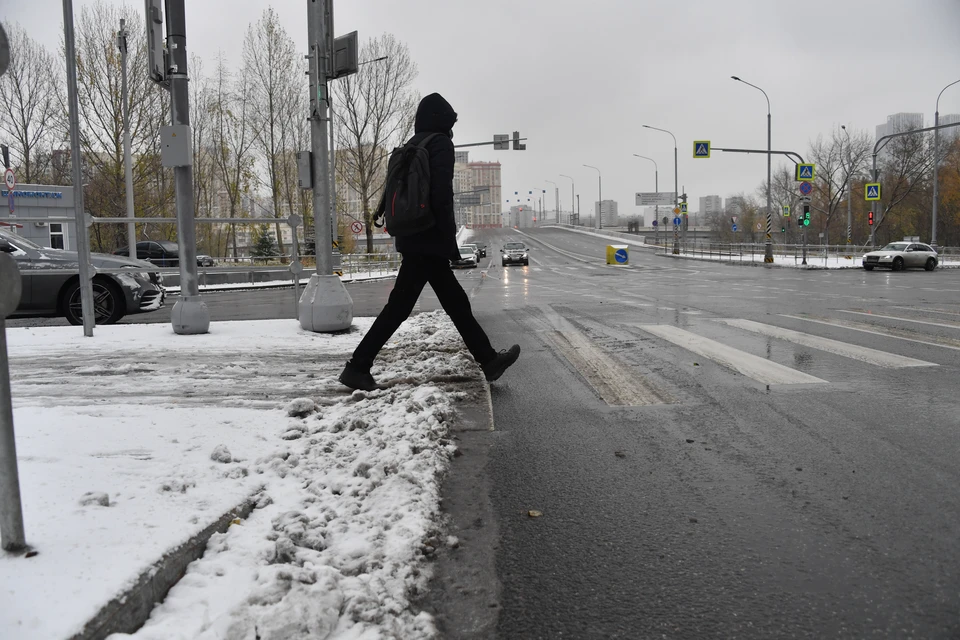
(410,280)
(457,305)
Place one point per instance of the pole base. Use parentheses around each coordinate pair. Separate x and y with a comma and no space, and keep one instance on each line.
(190,316)
(325,305)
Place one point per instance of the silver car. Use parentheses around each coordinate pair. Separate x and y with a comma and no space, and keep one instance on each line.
(902,255)
(58,294)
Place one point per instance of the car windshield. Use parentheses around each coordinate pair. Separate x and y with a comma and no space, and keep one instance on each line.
(168,246)
(895,246)
(470,246)
(467,250)
(20,242)
(514,245)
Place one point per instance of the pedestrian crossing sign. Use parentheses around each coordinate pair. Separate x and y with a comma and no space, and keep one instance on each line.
(786,211)
(806,172)
(701,148)
(872,191)
(683,207)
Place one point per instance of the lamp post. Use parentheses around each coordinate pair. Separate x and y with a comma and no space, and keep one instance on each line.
(936,166)
(599,222)
(656,186)
(849,188)
(572,189)
(768,247)
(676,188)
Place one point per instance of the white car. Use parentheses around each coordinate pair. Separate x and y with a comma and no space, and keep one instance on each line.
(468,258)
(902,255)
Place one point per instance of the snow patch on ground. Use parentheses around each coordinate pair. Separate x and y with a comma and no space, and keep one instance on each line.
(136,439)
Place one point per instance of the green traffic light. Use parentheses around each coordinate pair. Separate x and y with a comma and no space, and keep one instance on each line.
(806,222)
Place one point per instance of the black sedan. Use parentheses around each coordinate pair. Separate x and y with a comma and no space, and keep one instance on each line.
(47,295)
(163,253)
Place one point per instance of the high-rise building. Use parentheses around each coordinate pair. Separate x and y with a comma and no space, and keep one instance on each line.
(608,211)
(948,136)
(485,179)
(897,123)
(710,205)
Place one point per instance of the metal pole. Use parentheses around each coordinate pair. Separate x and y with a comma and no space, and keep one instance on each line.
(768,249)
(80,214)
(572,189)
(318,139)
(190,314)
(849,189)
(11,512)
(936,166)
(127,156)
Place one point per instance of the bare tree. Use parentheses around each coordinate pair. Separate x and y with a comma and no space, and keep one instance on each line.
(905,173)
(838,159)
(374,112)
(232,138)
(270,59)
(29,109)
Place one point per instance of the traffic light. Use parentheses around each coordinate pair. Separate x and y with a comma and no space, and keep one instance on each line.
(799,221)
(870,217)
(783,229)
(517,146)
(806,215)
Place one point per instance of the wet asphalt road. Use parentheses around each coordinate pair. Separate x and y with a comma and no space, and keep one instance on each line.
(680,496)
(705,504)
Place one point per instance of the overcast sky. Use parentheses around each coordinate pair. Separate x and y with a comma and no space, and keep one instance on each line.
(580,78)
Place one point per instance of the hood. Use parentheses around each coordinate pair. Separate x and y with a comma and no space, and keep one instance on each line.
(100,260)
(434,115)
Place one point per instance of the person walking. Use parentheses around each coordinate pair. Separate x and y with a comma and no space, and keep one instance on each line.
(426,258)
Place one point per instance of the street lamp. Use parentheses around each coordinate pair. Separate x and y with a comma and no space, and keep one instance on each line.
(768,248)
(572,189)
(849,188)
(600,194)
(556,198)
(656,184)
(936,165)
(676,189)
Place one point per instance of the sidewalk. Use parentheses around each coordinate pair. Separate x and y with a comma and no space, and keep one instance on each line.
(137,445)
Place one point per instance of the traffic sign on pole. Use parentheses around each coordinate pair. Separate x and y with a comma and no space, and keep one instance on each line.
(786,209)
(9,179)
(806,188)
(677,221)
(806,172)
(356,226)
(872,191)
(683,208)
(734,228)
(701,148)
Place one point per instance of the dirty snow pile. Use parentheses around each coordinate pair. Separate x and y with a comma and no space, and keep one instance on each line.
(349,511)
(134,440)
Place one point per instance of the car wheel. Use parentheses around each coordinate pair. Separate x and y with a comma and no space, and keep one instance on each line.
(868,267)
(108,304)
(526,263)
(503,263)
(931,264)
(898,264)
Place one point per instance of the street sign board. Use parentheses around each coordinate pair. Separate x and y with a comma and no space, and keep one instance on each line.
(652,199)
(701,148)
(683,207)
(356,226)
(759,226)
(806,199)
(654,223)
(677,221)
(786,209)
(734,227)
(806,172)
(501,141)
(872,191)
(9,179)
(806,188)
(676,210)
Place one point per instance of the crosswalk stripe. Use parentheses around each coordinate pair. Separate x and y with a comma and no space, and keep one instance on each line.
(877,331)
(877,315)
(863,354)
(760,369)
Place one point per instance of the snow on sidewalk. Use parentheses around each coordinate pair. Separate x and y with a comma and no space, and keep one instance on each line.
(136,439)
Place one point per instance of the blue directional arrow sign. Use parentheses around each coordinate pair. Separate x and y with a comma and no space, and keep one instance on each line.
(677,221)
(734,228)
(654,223)
(620,256)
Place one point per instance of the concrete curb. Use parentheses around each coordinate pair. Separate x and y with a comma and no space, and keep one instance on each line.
(129,610)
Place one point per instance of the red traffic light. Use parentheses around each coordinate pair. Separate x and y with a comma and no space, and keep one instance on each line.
(870,217)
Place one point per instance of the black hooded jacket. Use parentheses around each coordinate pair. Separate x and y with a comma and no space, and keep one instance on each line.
(435,115)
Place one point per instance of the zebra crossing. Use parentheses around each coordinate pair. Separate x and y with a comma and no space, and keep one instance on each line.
(820,351)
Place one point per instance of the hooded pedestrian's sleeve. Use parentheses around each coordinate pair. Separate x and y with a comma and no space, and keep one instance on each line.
(441,189)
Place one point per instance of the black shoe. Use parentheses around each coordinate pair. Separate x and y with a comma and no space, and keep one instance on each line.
(357,377)
(500,363)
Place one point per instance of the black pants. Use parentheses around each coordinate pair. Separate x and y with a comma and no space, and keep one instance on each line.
(416,271)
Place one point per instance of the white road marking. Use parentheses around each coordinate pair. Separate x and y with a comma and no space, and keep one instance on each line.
(760,369)
(877,315)
(863,354)
(926,310)
(864,328)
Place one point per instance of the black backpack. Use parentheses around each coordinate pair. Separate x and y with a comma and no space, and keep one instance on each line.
(405,204)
